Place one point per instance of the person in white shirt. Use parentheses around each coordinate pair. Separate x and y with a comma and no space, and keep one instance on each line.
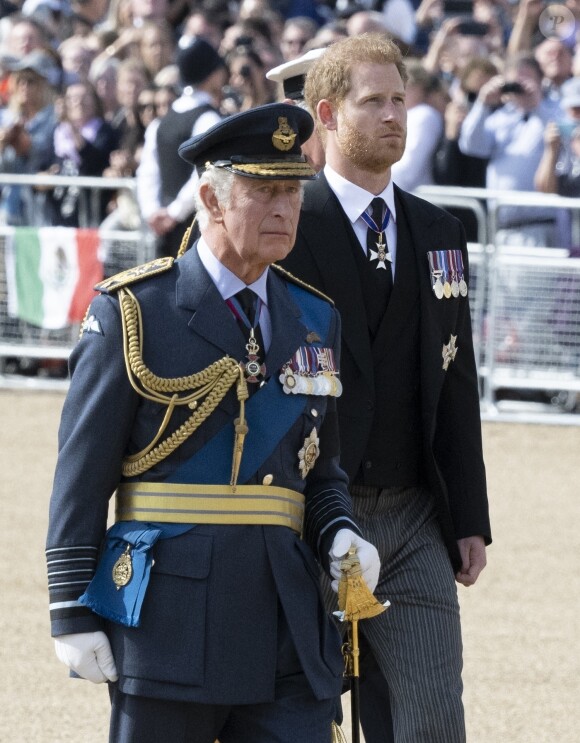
(425,94)
(166,184)
(506,125)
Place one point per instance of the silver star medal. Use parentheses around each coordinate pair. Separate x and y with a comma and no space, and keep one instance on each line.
(381,253)
(449,352)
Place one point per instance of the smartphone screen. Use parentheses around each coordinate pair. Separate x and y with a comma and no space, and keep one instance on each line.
(473,28)
(457,7)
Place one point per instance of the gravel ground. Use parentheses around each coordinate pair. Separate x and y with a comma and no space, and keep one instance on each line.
(521,621)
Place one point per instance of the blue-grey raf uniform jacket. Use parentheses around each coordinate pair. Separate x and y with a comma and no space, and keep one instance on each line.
(208,625)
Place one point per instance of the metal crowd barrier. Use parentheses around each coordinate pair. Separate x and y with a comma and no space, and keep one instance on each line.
(24,347)
(525,302)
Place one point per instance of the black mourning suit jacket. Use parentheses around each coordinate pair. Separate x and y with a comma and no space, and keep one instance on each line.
(380,405)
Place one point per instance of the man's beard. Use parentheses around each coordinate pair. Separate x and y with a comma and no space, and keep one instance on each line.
(368,153)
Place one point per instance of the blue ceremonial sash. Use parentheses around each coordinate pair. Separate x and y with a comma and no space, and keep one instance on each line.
(270,413)
(123,604)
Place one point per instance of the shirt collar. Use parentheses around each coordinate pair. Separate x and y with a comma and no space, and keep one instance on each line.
(190,99)
(228,283)
(354,199)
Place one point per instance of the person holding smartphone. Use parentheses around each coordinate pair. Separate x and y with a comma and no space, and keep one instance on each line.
(559,168)
(506,125)
(451,167)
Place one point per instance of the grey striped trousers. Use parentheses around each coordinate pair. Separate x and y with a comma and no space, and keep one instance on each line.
(417,642)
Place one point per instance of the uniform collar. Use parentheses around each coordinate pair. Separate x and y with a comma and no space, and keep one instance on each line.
(228,283)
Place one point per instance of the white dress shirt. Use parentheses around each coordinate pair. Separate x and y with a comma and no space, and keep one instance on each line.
(228,284)
(148,173)
(355,200)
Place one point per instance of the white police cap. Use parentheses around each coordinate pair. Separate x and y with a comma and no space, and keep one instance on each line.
(292,74)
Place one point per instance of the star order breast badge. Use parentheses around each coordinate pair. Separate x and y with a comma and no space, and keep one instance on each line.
(449,352)
(308,455)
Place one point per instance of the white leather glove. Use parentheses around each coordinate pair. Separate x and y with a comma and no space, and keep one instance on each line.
(88,654)
(366,552)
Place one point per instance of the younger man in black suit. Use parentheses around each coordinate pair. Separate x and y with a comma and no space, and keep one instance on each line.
(410,429)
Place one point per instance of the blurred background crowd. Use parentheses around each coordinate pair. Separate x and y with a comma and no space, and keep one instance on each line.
(109,88)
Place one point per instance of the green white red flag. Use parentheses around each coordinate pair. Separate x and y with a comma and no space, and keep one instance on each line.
(51,272)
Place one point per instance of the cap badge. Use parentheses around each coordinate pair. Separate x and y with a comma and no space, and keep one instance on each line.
(284,136)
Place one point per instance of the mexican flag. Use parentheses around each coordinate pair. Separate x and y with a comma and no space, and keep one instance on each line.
(51,272)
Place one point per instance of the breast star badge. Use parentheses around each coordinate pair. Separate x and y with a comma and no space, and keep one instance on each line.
(308,455)
(449,352)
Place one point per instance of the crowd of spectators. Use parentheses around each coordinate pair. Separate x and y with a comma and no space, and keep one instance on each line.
(493,96)
(109,88)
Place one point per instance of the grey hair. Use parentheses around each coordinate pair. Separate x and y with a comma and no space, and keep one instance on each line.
(221,182)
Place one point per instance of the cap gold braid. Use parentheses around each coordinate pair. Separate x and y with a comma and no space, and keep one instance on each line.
(273,168)
(213,383)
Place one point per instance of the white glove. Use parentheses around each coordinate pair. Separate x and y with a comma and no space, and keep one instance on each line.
(88,654)
(366,552)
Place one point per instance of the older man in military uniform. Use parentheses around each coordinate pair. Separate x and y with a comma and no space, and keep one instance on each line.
(203,392)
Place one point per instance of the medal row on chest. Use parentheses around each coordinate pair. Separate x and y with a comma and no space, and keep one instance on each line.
(447,273)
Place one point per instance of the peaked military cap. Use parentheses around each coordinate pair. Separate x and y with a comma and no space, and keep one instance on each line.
(263,142)
(292,74)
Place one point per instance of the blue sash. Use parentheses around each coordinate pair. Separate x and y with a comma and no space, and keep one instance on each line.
(270,414)
(123,605)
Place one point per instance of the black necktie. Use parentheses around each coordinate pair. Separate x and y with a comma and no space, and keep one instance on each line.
(248,300)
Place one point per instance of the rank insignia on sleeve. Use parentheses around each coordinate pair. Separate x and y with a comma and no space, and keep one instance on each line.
(308,455)
(449,352)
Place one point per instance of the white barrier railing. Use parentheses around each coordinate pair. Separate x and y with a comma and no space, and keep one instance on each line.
(22,344)
(526,308)
(525,302)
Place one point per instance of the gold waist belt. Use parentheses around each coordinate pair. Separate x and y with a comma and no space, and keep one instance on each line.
(209,504)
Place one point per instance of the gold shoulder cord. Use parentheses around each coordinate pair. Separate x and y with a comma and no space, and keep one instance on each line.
(213,383)
(185,238)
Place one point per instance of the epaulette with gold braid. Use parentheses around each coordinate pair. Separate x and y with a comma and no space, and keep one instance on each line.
(295,280)
(132,275)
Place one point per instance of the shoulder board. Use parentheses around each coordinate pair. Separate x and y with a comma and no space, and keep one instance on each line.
(132,275)
(295,280)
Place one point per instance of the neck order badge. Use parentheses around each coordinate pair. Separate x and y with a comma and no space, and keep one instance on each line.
(247,308)
(377,223)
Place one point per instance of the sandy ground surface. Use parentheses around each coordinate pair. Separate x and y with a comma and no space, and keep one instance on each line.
(521,622)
